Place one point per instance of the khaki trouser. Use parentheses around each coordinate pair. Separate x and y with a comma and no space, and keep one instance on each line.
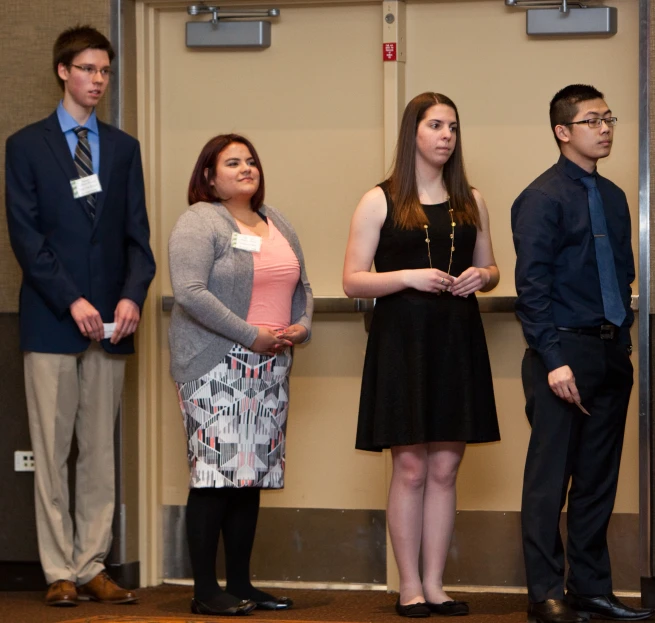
(73,394)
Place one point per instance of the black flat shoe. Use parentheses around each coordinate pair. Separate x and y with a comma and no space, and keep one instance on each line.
(243,607)
(606,607)
(449,608)
(414,611)
(278,603)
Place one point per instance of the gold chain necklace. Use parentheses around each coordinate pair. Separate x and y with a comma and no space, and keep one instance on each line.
(452,238)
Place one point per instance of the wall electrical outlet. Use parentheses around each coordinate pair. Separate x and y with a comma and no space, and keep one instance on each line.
(23,461)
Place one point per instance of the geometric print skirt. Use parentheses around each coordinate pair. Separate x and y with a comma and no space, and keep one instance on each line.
(235,418)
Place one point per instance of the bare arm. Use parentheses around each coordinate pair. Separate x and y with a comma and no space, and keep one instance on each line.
(358,280)
(484,274)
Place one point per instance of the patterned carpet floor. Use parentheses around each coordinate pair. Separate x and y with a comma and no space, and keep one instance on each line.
(171,604)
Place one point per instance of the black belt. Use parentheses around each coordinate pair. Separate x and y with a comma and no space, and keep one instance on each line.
(604,331)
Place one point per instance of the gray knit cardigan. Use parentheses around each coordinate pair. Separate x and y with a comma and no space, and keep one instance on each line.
(212,286)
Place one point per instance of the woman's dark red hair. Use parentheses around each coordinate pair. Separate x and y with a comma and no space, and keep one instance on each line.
(199,187)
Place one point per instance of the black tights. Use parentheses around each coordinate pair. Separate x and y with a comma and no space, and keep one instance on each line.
(234,512)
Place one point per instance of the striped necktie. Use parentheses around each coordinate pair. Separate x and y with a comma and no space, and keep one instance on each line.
(613,306)
(84,164)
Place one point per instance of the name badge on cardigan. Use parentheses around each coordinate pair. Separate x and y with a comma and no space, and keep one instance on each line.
(84,186)
(246,243)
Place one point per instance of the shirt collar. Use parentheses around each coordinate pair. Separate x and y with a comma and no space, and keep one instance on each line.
(573,170)
(67,122)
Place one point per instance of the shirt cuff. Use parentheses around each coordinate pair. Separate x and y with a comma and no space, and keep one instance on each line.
(553,359)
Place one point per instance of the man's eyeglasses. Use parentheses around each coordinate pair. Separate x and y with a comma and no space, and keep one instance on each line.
(596,122)
(92,70)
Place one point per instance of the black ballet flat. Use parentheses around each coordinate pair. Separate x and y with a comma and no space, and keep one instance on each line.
(449,608)
(277,603)
(244,607)
(419,610)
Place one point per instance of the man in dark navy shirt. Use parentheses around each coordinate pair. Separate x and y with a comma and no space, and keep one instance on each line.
(574,268)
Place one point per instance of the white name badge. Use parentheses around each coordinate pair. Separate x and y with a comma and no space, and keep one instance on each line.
(246,243)
(84,186)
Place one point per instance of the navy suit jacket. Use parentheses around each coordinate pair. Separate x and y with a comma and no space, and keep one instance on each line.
(64,254)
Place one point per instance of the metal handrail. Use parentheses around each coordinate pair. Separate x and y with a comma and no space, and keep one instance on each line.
(344,305)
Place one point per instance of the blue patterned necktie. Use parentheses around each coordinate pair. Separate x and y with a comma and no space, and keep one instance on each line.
(609,284)
(84,164)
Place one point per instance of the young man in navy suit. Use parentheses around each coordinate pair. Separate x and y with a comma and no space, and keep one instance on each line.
(574,267)
(78,225)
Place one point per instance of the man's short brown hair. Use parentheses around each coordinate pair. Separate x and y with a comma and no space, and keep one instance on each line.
(75,40)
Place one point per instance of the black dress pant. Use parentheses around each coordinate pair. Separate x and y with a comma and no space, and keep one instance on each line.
(568,446)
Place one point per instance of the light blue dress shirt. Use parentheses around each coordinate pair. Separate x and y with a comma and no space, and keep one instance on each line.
(67,124)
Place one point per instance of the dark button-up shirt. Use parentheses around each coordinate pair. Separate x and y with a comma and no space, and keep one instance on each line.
(556,272)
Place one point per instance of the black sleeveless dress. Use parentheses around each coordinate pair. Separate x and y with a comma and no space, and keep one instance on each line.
(426,373)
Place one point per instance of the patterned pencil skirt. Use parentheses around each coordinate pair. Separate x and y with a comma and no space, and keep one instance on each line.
(235,418)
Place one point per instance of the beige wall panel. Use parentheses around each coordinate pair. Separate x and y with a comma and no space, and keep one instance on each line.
(323,468)
(627,496)
(312,106)
(478,54)
(30,90)
(175,473)
(492,474)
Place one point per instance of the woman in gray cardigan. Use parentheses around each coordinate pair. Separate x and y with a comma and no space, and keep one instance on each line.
(242,300)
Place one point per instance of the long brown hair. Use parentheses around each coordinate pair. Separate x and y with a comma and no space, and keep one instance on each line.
(408,213)
(200,188)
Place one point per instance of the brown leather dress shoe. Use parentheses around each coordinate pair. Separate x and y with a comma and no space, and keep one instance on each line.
(103,589)
(61,593)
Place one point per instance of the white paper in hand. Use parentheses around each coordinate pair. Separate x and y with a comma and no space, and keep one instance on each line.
(110,327)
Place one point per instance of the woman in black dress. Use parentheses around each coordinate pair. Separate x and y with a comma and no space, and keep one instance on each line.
(426,386)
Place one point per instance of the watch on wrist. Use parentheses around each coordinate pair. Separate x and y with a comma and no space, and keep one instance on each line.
(628,349)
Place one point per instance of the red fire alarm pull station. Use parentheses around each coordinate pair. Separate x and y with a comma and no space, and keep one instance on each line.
(388,52)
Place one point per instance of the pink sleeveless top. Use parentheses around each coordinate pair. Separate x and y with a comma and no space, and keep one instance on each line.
(276,275)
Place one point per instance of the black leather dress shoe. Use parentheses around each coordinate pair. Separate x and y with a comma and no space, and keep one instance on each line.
(553,611)
(243,607)
(278,603)
(419,610)
(606,607)
(449,608)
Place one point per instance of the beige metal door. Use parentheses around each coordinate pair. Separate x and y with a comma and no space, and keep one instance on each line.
(312,105)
